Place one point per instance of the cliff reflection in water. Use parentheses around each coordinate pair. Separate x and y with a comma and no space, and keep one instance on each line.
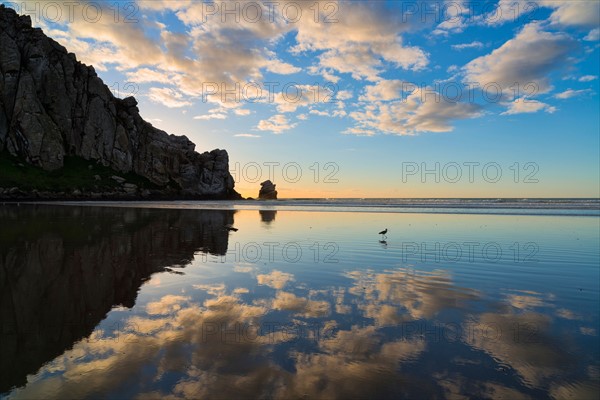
(62,269)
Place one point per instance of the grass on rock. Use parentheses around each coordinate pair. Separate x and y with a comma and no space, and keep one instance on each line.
(76,173)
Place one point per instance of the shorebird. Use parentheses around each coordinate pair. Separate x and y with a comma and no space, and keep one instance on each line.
(383,232)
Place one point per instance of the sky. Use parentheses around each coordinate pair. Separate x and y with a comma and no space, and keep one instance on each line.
(360,98)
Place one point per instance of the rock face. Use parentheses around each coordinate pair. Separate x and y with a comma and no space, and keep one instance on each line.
(267,191)
(52,106)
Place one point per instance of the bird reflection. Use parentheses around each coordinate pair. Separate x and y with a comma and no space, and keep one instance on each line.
(383,243)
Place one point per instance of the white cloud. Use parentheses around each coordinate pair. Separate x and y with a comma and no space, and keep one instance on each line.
(247,135)
(168,97)
(325,73)
(527,59)
(472,45)
(567,94)
(418,112)
(360,131)
(211,116)
(344,95)
(365,36)
(279,67)
(384,90)
(294,96)
(588,78)
(147,75)
(525,106)
(593,36)
(454,15)
(276,124)
(241,111)
(164,5)
(508,10)
(584,13)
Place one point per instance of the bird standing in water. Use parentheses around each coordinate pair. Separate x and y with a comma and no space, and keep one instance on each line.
(383,232)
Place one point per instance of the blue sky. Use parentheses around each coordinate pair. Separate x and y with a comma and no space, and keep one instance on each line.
(349,89)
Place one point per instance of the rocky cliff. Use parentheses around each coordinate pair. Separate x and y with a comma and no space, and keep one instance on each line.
(52,107)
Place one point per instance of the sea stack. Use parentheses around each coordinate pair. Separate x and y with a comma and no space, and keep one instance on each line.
(267,191)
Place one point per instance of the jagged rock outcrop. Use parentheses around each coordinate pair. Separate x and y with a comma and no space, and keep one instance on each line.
(267,191)
(52,106)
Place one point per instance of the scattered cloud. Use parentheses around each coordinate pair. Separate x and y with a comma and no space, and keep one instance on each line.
(585,14)
(247,135)
(215,57)
(384,90)
(472,45)
(168,97)
(593,36)
(567,94)
(276,124)
(344,95)
(211,116)
(241,111)
(525,106)
(582,14)
(527,59)
(423,110)
(148,75)
(295,96)
(363,38)
(282,68)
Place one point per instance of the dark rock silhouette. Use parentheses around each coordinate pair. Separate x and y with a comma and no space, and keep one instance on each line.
(267,191)
(52,106)
(62,269)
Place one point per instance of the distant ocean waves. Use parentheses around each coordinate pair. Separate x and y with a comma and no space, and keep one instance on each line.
(569,204)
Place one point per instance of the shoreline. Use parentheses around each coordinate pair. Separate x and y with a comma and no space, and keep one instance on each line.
(475,208)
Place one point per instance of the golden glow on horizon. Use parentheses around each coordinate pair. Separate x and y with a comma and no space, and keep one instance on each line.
(428,191)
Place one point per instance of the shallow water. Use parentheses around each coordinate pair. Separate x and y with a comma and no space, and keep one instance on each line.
(105,302)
